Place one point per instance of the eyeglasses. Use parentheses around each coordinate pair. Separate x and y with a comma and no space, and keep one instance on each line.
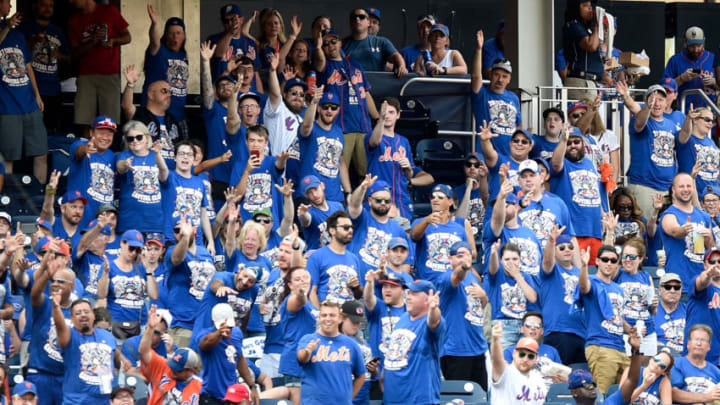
(568,246)
(574,142)
(606,259)
(696,340)
(577,115)
(176,229)
(521,141)
(669,287)
(535,325)
(359,16)
(715,261)
(59,281)
(382,200)
(331,107)
(131,138)
(333,41)
(297,93)
(711,200)
(629,256)
(165,90)
(660,363)
(249,107)
(624,207)
(438,196)
(345,227)
(706,119)
(530,356)
(263,220)
(185,154)
(470,164)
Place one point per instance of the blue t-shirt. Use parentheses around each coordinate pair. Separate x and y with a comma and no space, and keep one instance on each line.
(680,62)
(217,143)
(542,147)
(653,150)
(130,349)
(639,292)
(317,235)
(502,114)
(140,196)
(262,267)
(413,356)
(242,46)
(60,232)
(556,307)
(94,177)
(89,268)
(433,250)
(507,299)
(531,252)
(476,210)
(541,216)
(46,354)
(603,314)
(88,358)
(171,67)
(681,256)
(16,90)
(44,63)
(294,326)
(210,207)
(702,307)
(186,284)
(372,52)
(260,191)
(578,59)
(705,151)
(346,79)
(671,327)
(371,238)
(678,117)
(320,153)
(410,54)
(219,364)
(579,185)
(491,50)
(464,316)
(687,377)
(651,395)
(127,292)
(381,323)
(182,196)
(325,377)
(330,273)
(275,285)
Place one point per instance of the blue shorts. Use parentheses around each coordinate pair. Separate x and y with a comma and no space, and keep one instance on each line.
(50,385)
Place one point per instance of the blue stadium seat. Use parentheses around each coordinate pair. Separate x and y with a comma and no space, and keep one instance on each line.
(443,158)
(559,392)
(468,391)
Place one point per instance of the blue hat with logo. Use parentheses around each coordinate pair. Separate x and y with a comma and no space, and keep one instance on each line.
(330,31)
(373,12)
(133,238)
(512,199)
(225,77)
(174,21)
(295,82)
(670,84)
(309,182)
(524,132)
(574,131)
(443,188)
(25,387)
(576,105)
(71,196)
(442,28)
(398,242)
(44,224)
(183,358)
(104,122)
(379,185)
(459,245)
(105,230)
(41,243)
(329,97)
(421,286)
(562,239)
(579,377)
(229,9)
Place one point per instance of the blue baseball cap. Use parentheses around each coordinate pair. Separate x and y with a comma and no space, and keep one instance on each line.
(579,377)
(442,28)
(459,245)
(25,387)
(373,12)
(250,94)
(295,82)
(563,239)
(379,185)
(105,230)
(72,196)
(330,31)
(133,238)
(43,223)
(40,244)
(541,161)
(329,97)
(225,77)
(309,182)
(576,105)
(575,131)
(174,21)
(398,242)
(709,190)
(230,9)
(443,188)
(524,132)
(104,122)
(512,199)
(670,84)
(183,359)
(421,286)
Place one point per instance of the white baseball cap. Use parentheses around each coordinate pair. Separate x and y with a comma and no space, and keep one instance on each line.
(223,313)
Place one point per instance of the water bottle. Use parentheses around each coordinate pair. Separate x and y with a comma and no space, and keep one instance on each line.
(311,81)
(427,57)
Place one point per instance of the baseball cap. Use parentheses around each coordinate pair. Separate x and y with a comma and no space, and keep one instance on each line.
(105,208)
(237,393)
(295,82)
(459,245)
(397,242)
(541,161)
(262,211)
(183,358)
(165,315)
(72,196)
(421,286)
(655,87)
(354,311)
(103,121)
(373,12)
(709,190)
(442,28)
(574,131)
(579,377)
(309,182)
(670,84)
(63,247)
(6,216)
(249,94)
(156,238)
(133,238)
(563,239)
(120,388)
(223,313)
(710,252)
(528,164)
(512,199)
(527,343)
(426,17)
(525,132)
(473,155)
(42,243)
(668,277)
(25,387)
(225,77)
(694,35)
(330,31)
(44,224)
(393,279)
(443,188)
(105,230)
(329,97)
(576,105)
(379,185)
(230,9)
(553,110)
(175,21)
(503,64)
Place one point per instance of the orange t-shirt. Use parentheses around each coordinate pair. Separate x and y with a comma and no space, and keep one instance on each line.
(163,385)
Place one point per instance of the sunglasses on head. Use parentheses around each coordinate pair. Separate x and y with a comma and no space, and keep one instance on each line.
(568,246)
(660,363)
(521,141)
(530,356)
(333,41)
(359,16)
(131,138)
(669,287)
(606,259)
(382,200)
(629,256)
(471,164)
(331,107)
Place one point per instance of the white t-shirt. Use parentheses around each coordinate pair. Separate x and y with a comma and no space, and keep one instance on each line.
(604,144)
(282,125)
(513,387)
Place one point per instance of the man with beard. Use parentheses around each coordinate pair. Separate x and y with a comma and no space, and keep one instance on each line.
(72,208)
(231,43)
(334,270)
(578,183)
(283,112)
(161,123)
(693,67)
(374,229)
(313,216)
(322,144)
(473,195)
(503,165)
(685,232)
(87,352)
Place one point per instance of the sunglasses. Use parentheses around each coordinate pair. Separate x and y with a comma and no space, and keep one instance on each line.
(567,246)
(359,16)
(438,196)
(176,229)
(382,200)
(660,363)
(706,119)
(669,287)
(345,227)
(521,141)
(577,115)
(715,261)
(263,220)
(134,249)
(333,41)
(605,259)
(574,142)
(624,207)
(631,257)
(470,164)
(157,333)
(138,138)
(59,281)
(297,93)
(530,356)
(331,107)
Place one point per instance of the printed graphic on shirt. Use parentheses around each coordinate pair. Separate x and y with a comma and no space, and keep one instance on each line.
(647,398)
(12,64)
(240,305)
(200,274)
(324,353)
(663,153)
(375,245)
(398,349)
(188,202)
(129,291)
(388,324)
(324,234)
(177,75)
(51,348)
(674,331)
(709,158)
(43,53)
(438,250)
(474,310)
(327,161)
(529,255)
(209,208)
(514,303)
(539,222)
(93,275)
(586,191)
(231,354)
(698,384)
(614,325)
(637,300)
(338,289)
(690,245)
(503,117)
(173,397)
(95,362)
(272,299)
(627,229)
(165,137)
(294,148)
(367,356)
(101,182)
(146,184)
(258,194)
(476,215)
(570,283)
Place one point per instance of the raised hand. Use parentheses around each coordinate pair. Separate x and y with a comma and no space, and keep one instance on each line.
(282,157)
(225,330)
(495,247)
(287,188)
(54,179)
(207,50)
(609,221)
(131,74)
(157,147)
(91,148)
(152,14)
(253,163)
(585,256)
(153,318)
(224,291)
(302,209)
(621,88)
(295,26)
(555,232)
(505,189)
(288,72)
(274,61)
(317,94)
(383,110)
(497,330)
(312,345)
(433,299)
(353,282)
(480,38)
(485,133)
(368,181)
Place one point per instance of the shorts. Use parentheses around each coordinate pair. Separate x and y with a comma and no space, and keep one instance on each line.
(269,364)
(22,135)
(606,365)
(292,381)
(97,95)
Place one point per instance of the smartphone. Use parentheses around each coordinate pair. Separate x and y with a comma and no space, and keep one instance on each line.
(375,359)
(697,71)
(255,153)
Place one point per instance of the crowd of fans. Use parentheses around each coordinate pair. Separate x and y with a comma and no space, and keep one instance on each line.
(289,237)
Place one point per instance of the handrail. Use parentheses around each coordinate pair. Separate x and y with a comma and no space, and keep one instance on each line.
(424,79)
(706,99)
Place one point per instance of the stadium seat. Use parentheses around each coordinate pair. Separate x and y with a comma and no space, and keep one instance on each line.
(22,195)
(580,366)
(443,158)
(559,392)
(27,221)
(275,402)
(415,123)
(468,391)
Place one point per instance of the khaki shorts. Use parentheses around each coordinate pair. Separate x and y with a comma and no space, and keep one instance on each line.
(606,365)
(181,336)
(97,95)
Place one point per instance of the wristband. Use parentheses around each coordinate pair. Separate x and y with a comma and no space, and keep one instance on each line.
(150,274)
(635,352)
(49,190)
(130,85)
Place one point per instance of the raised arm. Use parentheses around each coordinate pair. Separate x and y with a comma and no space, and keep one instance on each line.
(497,221)
(153,324)
(641,118)
(496,352)
(355,205)
(486,146)
(155,32)
(295,29)
(232,124)
(369,297)
(274,93)
(549,252)
(206,85)
(181,248)
(686,130)
(61,329)
(288,218)
(310,112)
(163,171)
(476,74)
(45,272)
(583,278)
(48,207)
(627,99)
(494,260)
(460,271)
(132,76)
(434,315)
(318,53)
(377,132)
(558,156)
(104,281)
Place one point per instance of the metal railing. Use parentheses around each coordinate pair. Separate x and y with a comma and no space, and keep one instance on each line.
(706,99)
